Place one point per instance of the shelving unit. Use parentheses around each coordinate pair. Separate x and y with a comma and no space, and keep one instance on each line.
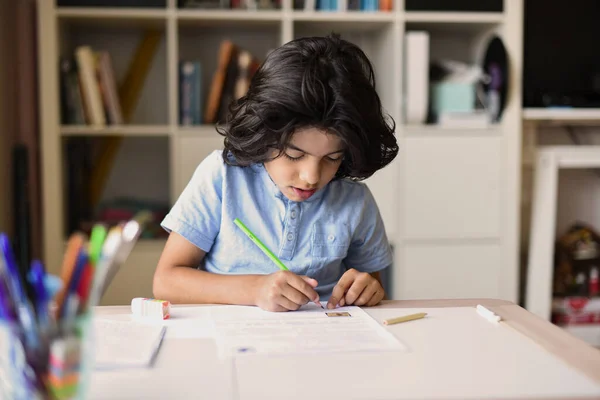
(562,116)
(449,201)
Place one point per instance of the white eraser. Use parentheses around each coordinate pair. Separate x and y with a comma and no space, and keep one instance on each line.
(487,314)
(151,308)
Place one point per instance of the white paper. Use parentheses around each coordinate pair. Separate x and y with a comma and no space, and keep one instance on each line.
(184,322)
(120,343)
(250,330)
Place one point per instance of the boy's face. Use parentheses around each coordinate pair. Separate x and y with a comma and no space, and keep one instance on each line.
(310,162)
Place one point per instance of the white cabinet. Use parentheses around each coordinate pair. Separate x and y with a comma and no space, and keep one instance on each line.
(449,270)
(452,239)
(451,187)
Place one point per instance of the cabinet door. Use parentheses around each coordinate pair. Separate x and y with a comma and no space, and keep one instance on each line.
(452,187)
(191,151)
(383,185)
(454,270)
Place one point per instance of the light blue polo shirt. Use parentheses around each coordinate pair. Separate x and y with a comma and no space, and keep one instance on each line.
(337,228)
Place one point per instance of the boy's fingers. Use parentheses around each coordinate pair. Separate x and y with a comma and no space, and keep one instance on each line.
(287,303)
(340,289)
(312,282)
(295,295)
(377,297)
(301,285)
(361,281)
(367,294)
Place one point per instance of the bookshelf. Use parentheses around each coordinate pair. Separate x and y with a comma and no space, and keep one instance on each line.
(453,236)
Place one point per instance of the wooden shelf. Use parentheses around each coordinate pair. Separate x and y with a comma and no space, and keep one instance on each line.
(348,16)
(452,21)
(199,130)
(105,16)
(436,130)
(223,18)
(343,21)
(115,130)
(143,245)
(455,17)
(562,115)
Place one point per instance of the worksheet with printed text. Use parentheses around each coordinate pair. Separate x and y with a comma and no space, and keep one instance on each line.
(250,330)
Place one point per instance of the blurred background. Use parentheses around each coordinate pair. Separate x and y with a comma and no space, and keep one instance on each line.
(108,106)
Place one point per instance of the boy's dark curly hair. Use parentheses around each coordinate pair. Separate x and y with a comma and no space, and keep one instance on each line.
(314,82)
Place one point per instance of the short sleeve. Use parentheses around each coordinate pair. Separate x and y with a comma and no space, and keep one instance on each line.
(370,250)
(196,215)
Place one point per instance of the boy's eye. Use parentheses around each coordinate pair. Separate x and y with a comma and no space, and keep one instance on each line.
(293,158)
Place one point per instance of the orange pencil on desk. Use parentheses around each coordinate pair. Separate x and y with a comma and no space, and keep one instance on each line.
(411,317)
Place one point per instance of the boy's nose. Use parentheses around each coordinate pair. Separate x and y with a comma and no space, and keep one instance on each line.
(310,175)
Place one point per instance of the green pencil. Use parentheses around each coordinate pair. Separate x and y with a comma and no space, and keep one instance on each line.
(261,246)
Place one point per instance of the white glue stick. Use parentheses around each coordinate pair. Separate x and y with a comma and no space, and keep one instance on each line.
(150,308)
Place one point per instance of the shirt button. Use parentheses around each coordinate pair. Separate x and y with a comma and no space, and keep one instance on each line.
(330,238)
(293,214)
(290,236)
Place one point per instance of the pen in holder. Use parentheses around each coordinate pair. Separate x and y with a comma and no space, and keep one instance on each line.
(60,369)
(46,333)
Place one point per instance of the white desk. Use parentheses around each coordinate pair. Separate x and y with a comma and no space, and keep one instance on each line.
(451,355)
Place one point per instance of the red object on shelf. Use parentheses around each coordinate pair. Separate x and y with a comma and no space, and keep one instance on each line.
(576,311)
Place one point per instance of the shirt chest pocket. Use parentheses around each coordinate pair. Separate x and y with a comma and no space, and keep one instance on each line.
(328,241)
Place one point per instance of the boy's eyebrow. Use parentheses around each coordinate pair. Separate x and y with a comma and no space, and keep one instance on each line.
(291,146)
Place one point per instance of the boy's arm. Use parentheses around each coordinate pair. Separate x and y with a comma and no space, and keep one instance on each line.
(178,280)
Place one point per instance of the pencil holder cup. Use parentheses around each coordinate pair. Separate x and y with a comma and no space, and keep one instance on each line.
(56,367)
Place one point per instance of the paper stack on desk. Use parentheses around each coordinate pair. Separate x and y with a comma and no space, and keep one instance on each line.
(123,344)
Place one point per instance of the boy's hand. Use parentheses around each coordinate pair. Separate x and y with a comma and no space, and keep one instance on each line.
(356,288)
(285,291)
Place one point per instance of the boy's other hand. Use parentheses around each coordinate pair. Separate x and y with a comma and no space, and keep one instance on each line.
(356,288)
(285,291)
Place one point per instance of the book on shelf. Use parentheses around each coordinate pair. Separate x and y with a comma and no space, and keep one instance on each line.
(231,79)
(231,4)
(88,89)
(343,5)
(72,111)
(190,93)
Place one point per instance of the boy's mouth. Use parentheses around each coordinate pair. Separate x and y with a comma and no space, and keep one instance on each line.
(303,193)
